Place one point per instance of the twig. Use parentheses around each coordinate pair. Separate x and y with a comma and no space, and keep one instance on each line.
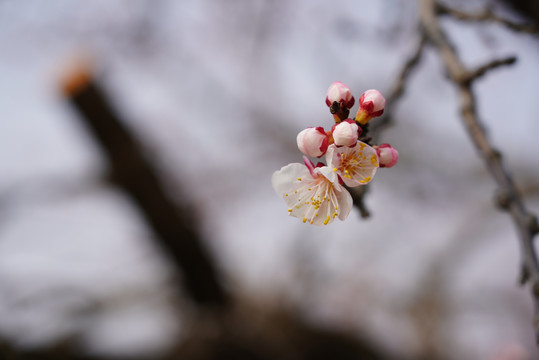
(508,196)
(487,15)
(358,196)
(480,71)
(398,89)
(358,193)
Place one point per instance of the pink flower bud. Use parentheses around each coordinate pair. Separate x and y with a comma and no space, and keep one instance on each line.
(346,133)
(371,104)
(313,141)
(339,92)
(387,155)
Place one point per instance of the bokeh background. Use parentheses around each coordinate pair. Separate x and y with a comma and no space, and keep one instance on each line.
(216,91)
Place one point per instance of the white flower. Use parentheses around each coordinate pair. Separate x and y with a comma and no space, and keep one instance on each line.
(356,165)
(312,194)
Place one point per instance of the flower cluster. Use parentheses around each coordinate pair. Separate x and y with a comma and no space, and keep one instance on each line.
(317,194)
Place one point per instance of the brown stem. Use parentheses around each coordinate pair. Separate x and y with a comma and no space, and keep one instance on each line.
(377,125)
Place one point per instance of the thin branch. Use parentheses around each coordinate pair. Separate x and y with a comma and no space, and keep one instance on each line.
(480,71)
(358,193)
(487,15)
(508,197)
(398,89)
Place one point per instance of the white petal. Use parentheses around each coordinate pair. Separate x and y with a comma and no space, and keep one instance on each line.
(328,173)
(345,202)
(283,180)
(315,200)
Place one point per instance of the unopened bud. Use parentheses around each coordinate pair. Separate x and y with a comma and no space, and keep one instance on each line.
(313,141)
(371,104)
(340,93)
(346,133)
(387,155)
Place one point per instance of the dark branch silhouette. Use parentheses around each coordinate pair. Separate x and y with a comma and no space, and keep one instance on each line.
(131,171)
(487,15)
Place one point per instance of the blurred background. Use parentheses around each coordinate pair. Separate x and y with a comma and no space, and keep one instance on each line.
(214,94)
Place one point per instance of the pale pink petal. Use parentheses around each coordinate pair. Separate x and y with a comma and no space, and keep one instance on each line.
(345,134)
(387,155)
(341,93)
(313,141)
(283,179)
(375,97)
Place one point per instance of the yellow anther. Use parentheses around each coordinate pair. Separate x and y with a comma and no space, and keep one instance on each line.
(335,169)
(373,159)
(368,178)
(289,210)
(304,219)
(326,221)
(299,179)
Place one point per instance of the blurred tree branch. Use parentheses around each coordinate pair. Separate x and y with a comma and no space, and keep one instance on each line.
(131,171)
(508,197)
(487,15)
